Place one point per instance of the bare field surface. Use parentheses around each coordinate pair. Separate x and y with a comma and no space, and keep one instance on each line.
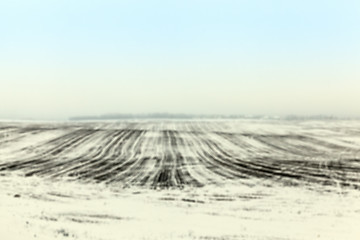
(239,179)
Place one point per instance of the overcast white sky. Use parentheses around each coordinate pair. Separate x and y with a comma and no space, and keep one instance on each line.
(68,58)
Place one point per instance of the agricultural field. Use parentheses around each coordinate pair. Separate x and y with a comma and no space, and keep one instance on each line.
(180,179)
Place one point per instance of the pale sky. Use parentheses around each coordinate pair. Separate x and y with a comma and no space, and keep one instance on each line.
(67,58)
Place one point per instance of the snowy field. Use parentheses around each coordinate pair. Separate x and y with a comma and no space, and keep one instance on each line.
(238,179)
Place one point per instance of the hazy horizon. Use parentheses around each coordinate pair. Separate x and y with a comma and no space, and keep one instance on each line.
(61,59)
(170,115)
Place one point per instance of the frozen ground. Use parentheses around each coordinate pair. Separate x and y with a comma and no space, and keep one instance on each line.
(180,180)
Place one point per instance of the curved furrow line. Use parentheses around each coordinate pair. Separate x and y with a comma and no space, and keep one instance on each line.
(148,179)
(145,171)
(125,160)
(64,166)
(101,154)
(295,170)
(300,169)
(154,162)
(335,142)
(64,138)
(178,172)
(12,166)
(277,145)
(18,148)
(40,162)
(32,130)
(76,138)
(245,149)
(307,147)
(175,154)
(342,173)
(243,142)
(187,163)
(121,149)
(319,175)
(121,162)
(152,180)
(141,169)
(98,146)
(165,177)
(242,147)
(231,156)
(324,172)
(79,166)
(246,146)
(138,173)
(98,159)
(151,177)
(327,147)
(343,166)
(146,162)
(41,158)
(309,170)
(216,165)
(21,164)
(181,171)
(200,173)
(253,167)
(46,149)
(166,174)
(133,160)
(260,167)
(224,158)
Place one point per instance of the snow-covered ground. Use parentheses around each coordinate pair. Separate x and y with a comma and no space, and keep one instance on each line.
(240,179)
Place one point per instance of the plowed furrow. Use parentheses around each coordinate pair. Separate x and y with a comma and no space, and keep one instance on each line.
(98,160)
(178,154)
(66,166)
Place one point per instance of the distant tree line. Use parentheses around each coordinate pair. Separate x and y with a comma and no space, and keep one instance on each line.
(199,116)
